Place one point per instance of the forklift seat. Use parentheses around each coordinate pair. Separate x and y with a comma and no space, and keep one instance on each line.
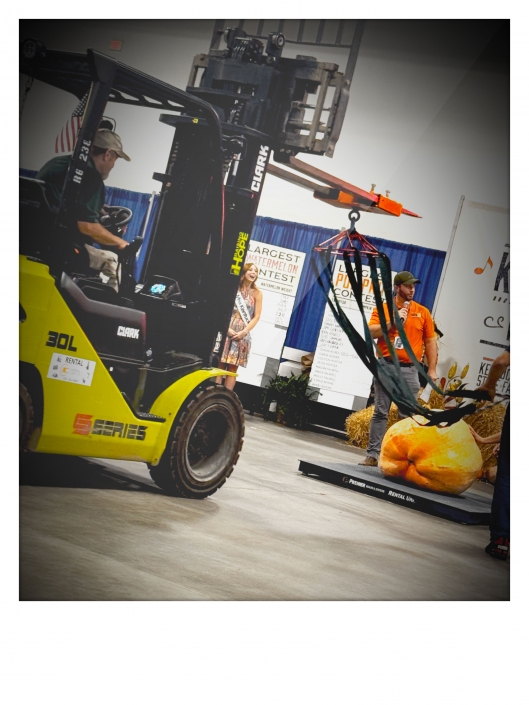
(113,330)
(95,289)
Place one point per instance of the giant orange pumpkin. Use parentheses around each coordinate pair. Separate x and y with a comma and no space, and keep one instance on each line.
(443,459)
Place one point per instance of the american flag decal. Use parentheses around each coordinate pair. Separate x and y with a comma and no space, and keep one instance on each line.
(67,137)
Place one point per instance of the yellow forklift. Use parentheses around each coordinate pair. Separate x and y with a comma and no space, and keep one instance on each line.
(130,374)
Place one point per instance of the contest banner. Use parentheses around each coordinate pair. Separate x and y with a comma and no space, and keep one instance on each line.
(279,275)
(472,308)
(337,371)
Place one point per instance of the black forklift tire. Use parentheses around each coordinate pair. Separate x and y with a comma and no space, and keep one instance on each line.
(204,444)
(26,417)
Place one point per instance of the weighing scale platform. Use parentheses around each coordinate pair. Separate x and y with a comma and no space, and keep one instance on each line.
(470,507)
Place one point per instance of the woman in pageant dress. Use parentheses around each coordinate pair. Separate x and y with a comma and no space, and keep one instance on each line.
(246,314)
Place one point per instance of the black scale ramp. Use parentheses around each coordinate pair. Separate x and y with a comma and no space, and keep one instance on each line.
(467,508)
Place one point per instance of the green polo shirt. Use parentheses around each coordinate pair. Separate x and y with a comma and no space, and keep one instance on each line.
(92,196)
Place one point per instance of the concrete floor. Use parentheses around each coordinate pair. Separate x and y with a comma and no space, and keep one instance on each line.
(101,530)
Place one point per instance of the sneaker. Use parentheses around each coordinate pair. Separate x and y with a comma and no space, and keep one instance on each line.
(498,549)
(370,462)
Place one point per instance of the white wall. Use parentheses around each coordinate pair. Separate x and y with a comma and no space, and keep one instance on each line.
(425,119)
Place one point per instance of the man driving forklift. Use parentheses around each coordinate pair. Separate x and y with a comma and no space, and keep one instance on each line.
(105,151)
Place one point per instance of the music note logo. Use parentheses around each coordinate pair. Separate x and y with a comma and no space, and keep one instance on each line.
(479,270)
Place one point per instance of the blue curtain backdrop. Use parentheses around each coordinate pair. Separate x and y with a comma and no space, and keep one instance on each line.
(29,173)
(139,205)
(309,306)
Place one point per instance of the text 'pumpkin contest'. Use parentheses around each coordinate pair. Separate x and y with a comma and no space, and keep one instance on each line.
(443,459)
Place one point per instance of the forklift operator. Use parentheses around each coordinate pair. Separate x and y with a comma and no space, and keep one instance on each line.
(105,151)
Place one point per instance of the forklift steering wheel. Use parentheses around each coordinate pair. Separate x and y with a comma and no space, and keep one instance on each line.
(115,218)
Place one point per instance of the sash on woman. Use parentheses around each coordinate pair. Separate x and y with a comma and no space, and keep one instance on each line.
(242,309)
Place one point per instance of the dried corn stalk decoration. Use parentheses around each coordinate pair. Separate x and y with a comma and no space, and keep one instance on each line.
(455,382)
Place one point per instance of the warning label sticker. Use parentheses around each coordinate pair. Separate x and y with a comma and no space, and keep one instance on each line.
(65,368)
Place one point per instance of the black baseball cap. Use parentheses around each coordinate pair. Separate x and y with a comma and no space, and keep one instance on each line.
(405,278)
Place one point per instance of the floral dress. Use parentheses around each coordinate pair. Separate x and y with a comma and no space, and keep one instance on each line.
(236,352)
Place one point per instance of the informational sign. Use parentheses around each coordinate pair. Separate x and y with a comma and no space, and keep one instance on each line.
(337,371)
(344,292)
(472,309)
(66,368)
(279,268)
(279,273)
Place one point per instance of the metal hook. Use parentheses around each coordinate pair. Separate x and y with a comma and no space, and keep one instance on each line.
(354,217)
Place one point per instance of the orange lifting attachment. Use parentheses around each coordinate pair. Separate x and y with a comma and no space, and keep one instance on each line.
(337,192)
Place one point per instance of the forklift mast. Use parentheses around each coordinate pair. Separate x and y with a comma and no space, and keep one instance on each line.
(265,103)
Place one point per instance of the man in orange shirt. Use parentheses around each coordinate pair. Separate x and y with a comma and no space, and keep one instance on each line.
(419,327)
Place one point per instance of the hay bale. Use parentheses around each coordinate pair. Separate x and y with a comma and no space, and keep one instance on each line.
(487,421)
(436,401)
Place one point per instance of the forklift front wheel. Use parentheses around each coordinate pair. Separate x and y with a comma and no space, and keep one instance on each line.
(204,445)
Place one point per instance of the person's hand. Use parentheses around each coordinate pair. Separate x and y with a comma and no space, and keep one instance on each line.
(122,244)
(496,449)
(403,313)
(433,375)
(240,335)
(231,332)
(478,438)
(491,392)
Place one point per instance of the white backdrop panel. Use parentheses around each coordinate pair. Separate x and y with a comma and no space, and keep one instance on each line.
(473,305)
